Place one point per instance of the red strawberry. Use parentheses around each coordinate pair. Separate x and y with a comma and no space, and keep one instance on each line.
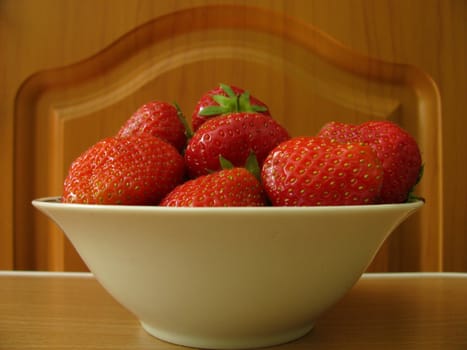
(309,171)
(159,119)
(124,170)
(222,100)
(234,136)
(340,132)
(225,188)
(396,148)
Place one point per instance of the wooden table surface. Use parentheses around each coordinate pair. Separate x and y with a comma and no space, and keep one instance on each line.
(382,311)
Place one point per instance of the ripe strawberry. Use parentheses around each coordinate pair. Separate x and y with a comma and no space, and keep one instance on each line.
(309,171)
(234,187)
(124,170)
(233,136)
(340,132)
(222,100)
(159,119)
(396,149)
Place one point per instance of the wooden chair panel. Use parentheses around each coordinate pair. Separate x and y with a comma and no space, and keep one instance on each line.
(306,77)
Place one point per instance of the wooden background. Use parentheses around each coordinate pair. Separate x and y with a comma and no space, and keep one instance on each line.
(72,71)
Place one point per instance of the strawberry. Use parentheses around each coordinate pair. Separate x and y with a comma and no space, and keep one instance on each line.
(159,119)
(233,136)
(396,149)
(340,132)
(225,99)
(225,188)
(310,171)
(124,170)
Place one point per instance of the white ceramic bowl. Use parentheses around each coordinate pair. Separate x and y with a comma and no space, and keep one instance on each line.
(226,277)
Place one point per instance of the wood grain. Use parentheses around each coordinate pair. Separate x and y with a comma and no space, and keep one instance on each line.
(395,311)
(420,44)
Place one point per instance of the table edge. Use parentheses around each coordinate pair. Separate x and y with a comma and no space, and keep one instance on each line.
(61,274)
(369,275)
(412,275)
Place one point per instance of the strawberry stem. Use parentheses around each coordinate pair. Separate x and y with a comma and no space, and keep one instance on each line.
(181,117)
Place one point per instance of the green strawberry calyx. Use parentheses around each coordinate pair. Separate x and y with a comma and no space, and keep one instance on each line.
(231,103)
(182,118)
(251,164)
(412,197)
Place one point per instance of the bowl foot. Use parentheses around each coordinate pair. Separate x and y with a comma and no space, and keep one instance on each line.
(242,342)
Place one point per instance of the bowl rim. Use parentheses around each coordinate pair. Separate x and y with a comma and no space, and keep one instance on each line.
(54,202)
